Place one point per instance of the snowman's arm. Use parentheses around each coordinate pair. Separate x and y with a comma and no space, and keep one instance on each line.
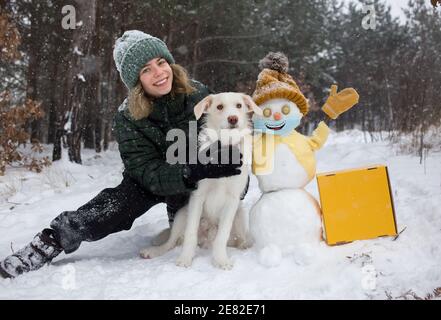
(319,136)
(326,119)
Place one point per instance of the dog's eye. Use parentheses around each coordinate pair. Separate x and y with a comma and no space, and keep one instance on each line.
(220,107)
(285,109)
(267,112)
(238,106)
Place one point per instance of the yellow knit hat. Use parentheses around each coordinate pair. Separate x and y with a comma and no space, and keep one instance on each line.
(274,82)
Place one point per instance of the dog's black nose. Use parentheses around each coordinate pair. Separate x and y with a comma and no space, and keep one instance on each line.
(232,120)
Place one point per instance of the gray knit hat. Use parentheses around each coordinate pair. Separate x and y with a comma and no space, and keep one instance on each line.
(133,50)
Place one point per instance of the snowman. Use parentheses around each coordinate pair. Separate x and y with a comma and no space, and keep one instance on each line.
(287,219)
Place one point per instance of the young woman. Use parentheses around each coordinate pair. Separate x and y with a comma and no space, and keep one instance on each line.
(161,98)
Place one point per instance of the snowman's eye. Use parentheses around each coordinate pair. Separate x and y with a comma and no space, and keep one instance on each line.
(267,112)
(285,109)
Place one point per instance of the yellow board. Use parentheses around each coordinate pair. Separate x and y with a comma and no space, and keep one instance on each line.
(357,204)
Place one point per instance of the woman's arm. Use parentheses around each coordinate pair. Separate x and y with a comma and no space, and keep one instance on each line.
(145,164)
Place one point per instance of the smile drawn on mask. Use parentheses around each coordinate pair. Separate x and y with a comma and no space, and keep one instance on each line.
(280,117)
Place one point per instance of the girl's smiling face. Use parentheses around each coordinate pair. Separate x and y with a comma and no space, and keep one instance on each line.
(156,77)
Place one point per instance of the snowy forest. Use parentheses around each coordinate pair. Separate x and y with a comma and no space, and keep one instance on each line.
(59,93)
(68,87)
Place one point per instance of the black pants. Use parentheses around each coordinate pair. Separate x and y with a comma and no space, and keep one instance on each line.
(112,210)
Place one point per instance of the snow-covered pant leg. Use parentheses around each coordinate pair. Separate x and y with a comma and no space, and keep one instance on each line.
(112,210)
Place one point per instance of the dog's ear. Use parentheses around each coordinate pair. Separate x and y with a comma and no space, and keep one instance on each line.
(202,106)
(251,105)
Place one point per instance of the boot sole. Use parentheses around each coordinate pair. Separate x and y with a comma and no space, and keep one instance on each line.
(4,274)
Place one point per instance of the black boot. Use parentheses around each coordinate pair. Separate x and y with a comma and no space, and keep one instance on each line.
(43,248)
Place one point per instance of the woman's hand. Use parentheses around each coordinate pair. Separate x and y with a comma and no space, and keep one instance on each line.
(216,161)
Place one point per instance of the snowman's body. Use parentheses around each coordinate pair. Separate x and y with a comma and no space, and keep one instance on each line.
(287,173)
(286,219)
(284,222)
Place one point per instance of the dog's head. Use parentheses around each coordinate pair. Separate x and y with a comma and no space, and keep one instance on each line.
(227,110)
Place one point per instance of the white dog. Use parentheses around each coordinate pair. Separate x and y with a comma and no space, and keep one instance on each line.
(215,204)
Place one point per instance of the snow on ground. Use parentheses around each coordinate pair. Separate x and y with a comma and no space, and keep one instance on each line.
(112,269)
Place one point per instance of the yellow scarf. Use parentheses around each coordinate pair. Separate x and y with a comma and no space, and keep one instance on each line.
(301,146)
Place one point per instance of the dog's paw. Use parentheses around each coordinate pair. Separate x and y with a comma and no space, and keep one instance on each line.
(149,253)
(161,237)
(224,264)
(184,261)
(243,245)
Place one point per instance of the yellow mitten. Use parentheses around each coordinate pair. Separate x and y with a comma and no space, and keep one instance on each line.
(338,103)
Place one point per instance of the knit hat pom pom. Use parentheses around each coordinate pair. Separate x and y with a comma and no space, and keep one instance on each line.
(275,61)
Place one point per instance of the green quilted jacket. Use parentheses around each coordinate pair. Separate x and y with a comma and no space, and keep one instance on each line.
(143,145)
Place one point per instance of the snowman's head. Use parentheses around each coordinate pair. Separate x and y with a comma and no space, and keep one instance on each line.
(280,117)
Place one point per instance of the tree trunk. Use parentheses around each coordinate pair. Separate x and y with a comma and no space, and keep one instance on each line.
(84,66)
(89,132)
(107,134)
(98,134)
